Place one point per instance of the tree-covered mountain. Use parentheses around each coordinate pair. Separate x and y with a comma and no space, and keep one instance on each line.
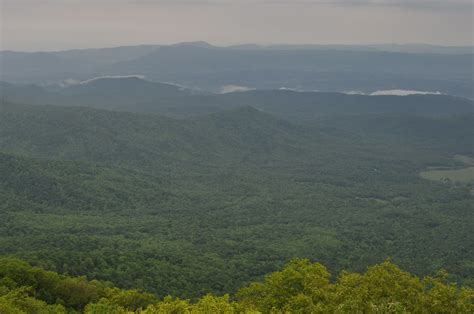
(206,204)
(137,95)
(202,66)
(125,93)
(139,140)
(306,106)
(45,185)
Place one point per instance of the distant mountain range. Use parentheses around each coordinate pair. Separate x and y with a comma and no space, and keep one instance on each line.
(330,68)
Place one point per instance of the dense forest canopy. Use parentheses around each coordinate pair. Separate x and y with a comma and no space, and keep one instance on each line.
(208,203)
(300,287)
(133,184)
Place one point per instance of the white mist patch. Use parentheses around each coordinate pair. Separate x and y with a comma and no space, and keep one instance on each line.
(354,92)
(299,90)
(234,89)
(290,89)
(402,92)
(71,82)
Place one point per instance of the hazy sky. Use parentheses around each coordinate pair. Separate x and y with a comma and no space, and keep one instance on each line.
(62,24)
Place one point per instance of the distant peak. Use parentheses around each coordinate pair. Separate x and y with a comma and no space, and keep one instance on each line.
(200,44)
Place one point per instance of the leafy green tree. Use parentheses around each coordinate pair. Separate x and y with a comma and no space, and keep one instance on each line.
(300,286)
(303,287)
(169,306)
(130,299)
(213,304)
(104,306)
(20,301)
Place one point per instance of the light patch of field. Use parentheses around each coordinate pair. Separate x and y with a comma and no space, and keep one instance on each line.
(438,168)
(455,175)
(465,159)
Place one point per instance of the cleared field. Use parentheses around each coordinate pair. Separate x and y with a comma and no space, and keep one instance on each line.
(465,159)
(456,175)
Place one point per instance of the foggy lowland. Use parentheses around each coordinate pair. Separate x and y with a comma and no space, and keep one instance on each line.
(236,156)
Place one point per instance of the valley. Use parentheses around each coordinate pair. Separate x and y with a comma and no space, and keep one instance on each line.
(208,203)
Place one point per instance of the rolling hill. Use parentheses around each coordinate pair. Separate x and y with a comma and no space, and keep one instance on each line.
(137,95)
(205,67)
(206,204)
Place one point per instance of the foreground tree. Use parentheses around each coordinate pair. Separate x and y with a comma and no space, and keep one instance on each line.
(303,287)
(300,287)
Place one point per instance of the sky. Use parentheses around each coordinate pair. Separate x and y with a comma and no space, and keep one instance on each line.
(32,25)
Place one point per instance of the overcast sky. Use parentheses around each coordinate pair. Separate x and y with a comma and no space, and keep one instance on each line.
(63,24)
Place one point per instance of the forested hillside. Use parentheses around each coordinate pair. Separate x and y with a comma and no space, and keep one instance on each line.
(207,204)
(300,287)
(134,94)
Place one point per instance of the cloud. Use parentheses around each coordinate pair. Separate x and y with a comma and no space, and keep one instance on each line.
(418,4)
(402,3)
(442,4)
(234,88)
(393,92)
(354,92)
(70,82)
(410,4)
(402,92)
(34,25)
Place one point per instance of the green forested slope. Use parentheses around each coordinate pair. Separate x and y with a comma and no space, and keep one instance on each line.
(187,207)
(45,185)
(141,140)
(138,95)
(300,287)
